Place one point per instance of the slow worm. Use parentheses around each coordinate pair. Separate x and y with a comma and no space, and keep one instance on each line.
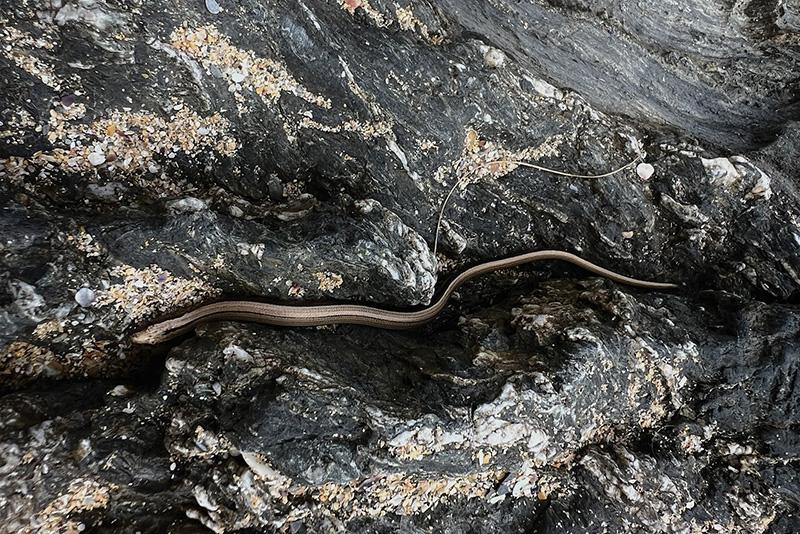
(289,315)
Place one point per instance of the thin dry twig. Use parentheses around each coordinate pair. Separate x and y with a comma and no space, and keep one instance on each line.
(521,164)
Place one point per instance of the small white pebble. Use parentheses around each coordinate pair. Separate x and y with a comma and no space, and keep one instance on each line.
(238,76)
(645,171)
(494,58)
(84,297)
(187,205)
(627,235)
(97,158)
(119,391)
(213,7)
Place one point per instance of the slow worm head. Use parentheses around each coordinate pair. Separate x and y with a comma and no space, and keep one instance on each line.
(288,315)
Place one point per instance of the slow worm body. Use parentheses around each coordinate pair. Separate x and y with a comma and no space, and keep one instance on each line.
(298,315)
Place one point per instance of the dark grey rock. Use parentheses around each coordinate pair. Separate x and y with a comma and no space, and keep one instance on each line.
(164,155)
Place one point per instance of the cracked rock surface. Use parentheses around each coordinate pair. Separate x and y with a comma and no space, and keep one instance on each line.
(159,155)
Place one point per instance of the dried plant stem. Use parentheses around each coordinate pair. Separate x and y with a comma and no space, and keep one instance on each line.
(521,164)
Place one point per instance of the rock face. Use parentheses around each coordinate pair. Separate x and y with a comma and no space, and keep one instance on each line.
(158,155)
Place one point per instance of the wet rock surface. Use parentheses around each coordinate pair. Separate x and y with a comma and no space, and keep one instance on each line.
(157,156)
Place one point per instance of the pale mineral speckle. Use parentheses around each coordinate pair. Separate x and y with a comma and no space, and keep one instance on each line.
(123,143)
(378,18)
(427,145)
(85,243)
(97,158)
(81,496)
(329,281)
(238,353)
(762,188)
(486,159)
(381,125)
(254,249)
(691,443)
(204,499)
(692,215)
(27,300)
(367,205)
(36,67)
(421,441)
(15,38)
(144,292)
(402,494)
(187,205)
(261,466)
(408,22)
(367,130)
(494,58)
(98,15)
(268,78)
(120,391)
(48,328)
(296,291)
(722,171)
(16,124)
(544,89)
(23,360)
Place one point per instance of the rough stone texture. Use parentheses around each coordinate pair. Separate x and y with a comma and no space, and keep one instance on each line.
(160,155)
